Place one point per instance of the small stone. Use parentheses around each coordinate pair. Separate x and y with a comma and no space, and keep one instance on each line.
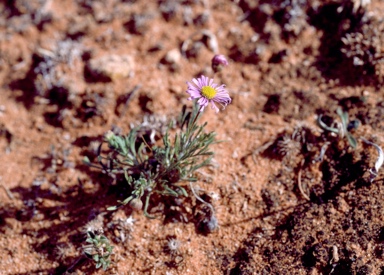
(111,67)
(172,57)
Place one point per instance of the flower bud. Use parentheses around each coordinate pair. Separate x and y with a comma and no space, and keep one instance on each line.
(218,62)
(136,204)
(109,136)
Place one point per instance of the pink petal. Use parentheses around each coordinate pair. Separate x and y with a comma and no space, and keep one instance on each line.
(213,106)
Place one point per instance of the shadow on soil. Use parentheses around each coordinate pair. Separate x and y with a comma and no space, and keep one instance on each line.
(77,206)
(322,233)
(66,212)
(335,20)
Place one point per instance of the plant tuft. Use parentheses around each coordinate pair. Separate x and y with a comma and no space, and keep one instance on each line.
(98,249)
(158,168)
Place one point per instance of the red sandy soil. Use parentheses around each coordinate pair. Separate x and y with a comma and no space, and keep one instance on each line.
(280,209)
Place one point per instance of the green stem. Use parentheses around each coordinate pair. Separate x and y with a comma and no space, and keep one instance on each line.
(194,120)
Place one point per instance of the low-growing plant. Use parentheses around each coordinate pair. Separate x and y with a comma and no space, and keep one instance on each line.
(98,249)
(164,168)
(342,129)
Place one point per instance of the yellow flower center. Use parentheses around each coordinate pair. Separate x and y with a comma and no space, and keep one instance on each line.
(208,92)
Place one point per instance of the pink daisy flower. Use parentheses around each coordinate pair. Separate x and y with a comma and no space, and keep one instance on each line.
(206,91)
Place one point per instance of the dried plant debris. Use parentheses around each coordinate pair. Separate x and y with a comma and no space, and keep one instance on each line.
(299,150)
(288,146)
(37,12)
(380,159)
(291,146)
(205,216)
(290,15)
(364,47)
(173,248)
(51,71)
(304,152)
(172,245)
(153,128)
(121,228)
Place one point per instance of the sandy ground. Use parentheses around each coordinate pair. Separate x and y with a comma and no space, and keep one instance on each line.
(290,197)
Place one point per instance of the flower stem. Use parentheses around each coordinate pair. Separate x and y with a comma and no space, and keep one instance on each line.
(197,115)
